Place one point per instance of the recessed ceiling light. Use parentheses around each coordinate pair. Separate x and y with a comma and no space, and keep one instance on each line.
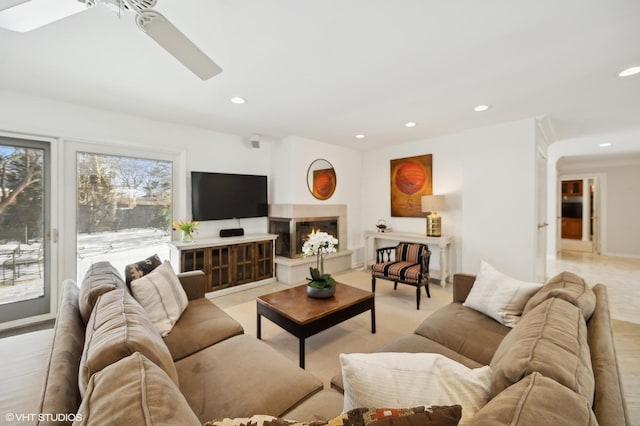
(604,145)
(410,124)
(361,136)
(629,71)
(238,100)
(481,108)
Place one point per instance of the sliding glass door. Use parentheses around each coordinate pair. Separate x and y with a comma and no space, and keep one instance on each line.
(25,225)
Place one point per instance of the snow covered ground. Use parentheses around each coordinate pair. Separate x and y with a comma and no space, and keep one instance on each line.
(120,248)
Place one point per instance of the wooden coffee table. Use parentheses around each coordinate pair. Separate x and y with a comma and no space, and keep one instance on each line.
(304,316)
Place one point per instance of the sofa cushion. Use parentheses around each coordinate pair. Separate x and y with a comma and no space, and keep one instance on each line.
(465,331)
(100,278)
(141,268)
(552,340)
(396,380)
(118,327)
(609,401)
(405,271)
(499,296)
(241,376)
(134,391)
(202,324)
(567,286)
(323,405)
(410,252)
(162,297)
(536,400)
(61,393)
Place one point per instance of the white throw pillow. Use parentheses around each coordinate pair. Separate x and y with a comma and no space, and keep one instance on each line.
(499,296)
(162,297)
(400,380)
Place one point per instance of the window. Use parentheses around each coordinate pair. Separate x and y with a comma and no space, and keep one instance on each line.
(124,209)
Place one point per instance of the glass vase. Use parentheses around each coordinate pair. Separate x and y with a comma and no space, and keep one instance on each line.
(187,237)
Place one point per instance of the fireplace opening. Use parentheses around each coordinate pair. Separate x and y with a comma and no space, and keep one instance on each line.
(292,232)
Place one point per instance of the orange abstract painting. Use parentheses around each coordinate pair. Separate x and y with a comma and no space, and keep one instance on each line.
(411,178)
(324,183)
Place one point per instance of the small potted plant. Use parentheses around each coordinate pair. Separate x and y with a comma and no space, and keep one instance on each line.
(318,244)
(187,227)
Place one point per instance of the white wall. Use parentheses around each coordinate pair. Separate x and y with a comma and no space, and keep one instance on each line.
(290,162)
(447,181)
(499,198)
(487,176)
(620,229)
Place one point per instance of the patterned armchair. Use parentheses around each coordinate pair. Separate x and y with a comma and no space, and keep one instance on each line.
(406,263)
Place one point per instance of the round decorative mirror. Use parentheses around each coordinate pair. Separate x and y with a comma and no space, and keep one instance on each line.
(321,179)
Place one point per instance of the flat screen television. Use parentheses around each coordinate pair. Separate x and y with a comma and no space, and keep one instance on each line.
(216,196)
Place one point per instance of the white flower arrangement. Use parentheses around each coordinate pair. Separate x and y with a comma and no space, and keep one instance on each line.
(319,244)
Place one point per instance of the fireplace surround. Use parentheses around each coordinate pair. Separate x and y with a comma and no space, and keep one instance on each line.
(293,223)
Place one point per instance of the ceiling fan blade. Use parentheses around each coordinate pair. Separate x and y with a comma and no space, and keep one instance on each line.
(175,42)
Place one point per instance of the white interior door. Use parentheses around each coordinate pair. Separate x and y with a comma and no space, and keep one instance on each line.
(595,214)
(541,217)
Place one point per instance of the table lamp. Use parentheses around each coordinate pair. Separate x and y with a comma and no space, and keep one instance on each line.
(431,204)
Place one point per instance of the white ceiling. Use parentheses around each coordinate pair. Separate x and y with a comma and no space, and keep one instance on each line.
(330,69)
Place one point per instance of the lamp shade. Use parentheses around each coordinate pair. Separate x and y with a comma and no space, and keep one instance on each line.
(432,203)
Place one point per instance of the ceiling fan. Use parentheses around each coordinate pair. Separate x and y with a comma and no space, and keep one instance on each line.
(25,15)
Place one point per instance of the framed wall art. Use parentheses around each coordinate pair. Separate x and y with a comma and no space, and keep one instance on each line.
(411,178)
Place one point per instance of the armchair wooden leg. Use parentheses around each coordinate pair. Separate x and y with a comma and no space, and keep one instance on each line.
(395,285)
(418,298)
(426,289)
(373,284)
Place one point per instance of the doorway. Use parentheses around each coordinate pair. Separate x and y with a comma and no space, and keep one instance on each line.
(579,214)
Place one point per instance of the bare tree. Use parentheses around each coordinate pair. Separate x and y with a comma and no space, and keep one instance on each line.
(18,170)
(95,191)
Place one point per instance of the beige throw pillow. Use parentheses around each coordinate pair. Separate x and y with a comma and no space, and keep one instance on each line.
(396,380)
(499,296)
(162,296)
